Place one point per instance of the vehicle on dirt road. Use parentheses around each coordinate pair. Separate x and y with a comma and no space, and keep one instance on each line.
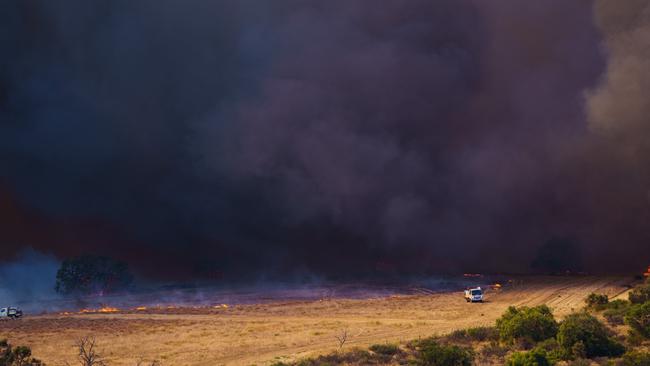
(474,295)
(10,313)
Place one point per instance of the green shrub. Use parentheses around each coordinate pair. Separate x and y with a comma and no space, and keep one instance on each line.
(18,356)
(640,294)
(554,353)
(615,311)
(585,329)
(531,358)
(636,358)
(477,334)
(431,353)
(534,324)
(385,349)
(638,318)
(494,349)
(596,300)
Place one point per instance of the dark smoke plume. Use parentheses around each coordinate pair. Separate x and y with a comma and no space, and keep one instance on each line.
(230,139)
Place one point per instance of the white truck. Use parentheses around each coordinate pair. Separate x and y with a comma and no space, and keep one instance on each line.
(10,313)
(474,295)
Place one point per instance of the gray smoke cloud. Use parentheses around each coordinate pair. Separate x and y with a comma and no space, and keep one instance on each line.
(29,277)
(343,138)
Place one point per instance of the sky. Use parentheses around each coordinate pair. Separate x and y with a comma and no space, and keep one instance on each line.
(248,138)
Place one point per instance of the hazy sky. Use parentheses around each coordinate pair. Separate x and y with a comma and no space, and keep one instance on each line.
(345,137)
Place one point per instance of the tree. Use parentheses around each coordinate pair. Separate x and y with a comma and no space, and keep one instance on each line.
(527,324)
(582,333)
(535,357)
(92,274)
(638,318)
(433,354)
(640,294)
(558,255)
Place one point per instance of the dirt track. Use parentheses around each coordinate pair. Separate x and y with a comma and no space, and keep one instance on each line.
(261,334)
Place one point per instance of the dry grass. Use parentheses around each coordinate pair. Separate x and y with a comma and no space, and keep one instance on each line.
(262,334)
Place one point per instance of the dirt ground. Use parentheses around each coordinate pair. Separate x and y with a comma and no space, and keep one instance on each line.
(266,333)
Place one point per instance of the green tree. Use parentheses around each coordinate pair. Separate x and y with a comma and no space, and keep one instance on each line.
(92,274)
(638,318)
(530,324)
(534,357)
(432,353)
(640,294)
(584,334)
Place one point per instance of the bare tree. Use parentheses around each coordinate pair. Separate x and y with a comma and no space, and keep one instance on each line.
(88,356)
(342,337)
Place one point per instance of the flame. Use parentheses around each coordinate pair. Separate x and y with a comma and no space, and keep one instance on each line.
(647,273)
(141,308)
(104,309)
(222,306)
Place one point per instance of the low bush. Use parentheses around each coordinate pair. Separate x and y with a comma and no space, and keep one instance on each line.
(636,358)
(529,324)
(582,335)
(18,356)
(615,311)
(431,353)
(477,334)
(385,349)
(353,357)
(638,318)
(596,300)
(531,358)
(554,353)
(494,350)
(640,294)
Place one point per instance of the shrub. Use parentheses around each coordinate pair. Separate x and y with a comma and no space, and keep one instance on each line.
(530,358)
(638,318)
(478,334)
(640,294)
(554,353)
(596,300)
(18,356)
(636,358)
(430,353)
(385,349)
(615,311)
(585,329)
(354,357)
(494,349)
(534,324)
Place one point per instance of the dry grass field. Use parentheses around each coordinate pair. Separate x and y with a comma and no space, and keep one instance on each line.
(265,333)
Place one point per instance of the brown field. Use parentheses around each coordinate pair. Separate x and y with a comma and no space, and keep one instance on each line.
(262,334)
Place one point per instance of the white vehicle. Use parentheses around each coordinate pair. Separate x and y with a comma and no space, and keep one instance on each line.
(474,295)
(10,313)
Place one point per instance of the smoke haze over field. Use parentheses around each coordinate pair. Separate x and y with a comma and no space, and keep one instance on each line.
(343,138)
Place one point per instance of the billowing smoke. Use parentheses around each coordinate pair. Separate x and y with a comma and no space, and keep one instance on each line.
(341,138)
(29,277)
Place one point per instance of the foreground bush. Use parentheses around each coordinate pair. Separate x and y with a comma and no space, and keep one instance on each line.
(596,300)
(535,357)
(18,356)
(640,294)
(582,335)
(636,358)
(385,349)
(477,334)
(615,311)
(638,318)
(431,353)
(530,324)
